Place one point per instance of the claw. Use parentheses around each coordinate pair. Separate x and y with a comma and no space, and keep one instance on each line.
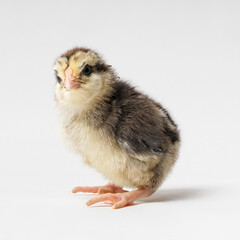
(117,200)
(113,195)
(120,200)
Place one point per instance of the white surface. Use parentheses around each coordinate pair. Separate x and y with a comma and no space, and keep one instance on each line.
(185,54)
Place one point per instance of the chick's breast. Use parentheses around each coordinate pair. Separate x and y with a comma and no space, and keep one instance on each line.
(99,150)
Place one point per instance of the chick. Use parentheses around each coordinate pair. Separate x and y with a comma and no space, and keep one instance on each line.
(122,133)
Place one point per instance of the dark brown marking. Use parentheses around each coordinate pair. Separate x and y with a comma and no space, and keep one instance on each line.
(69,53)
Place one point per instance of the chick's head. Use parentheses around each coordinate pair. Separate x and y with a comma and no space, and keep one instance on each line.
(81,75)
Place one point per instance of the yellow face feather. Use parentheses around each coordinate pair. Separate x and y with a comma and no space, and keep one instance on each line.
(76,62)
(60,66)
(92,86)
(79,59)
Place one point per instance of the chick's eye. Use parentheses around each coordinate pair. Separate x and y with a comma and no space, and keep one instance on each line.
(87,70)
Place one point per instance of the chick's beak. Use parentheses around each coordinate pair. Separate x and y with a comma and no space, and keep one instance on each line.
(71,81)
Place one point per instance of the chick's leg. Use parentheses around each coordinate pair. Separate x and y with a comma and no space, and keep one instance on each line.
(121,199)
(109,188)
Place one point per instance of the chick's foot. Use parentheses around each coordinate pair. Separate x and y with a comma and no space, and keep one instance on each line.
(120,200)
(109,188)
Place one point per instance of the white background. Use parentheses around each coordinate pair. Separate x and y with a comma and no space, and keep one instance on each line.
(185,54)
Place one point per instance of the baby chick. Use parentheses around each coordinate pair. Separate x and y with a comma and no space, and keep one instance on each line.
(124,134)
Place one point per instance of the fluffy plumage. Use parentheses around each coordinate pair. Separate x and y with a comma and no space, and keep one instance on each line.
(124,134)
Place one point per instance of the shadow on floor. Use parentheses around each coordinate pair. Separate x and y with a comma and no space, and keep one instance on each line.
(179,194)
